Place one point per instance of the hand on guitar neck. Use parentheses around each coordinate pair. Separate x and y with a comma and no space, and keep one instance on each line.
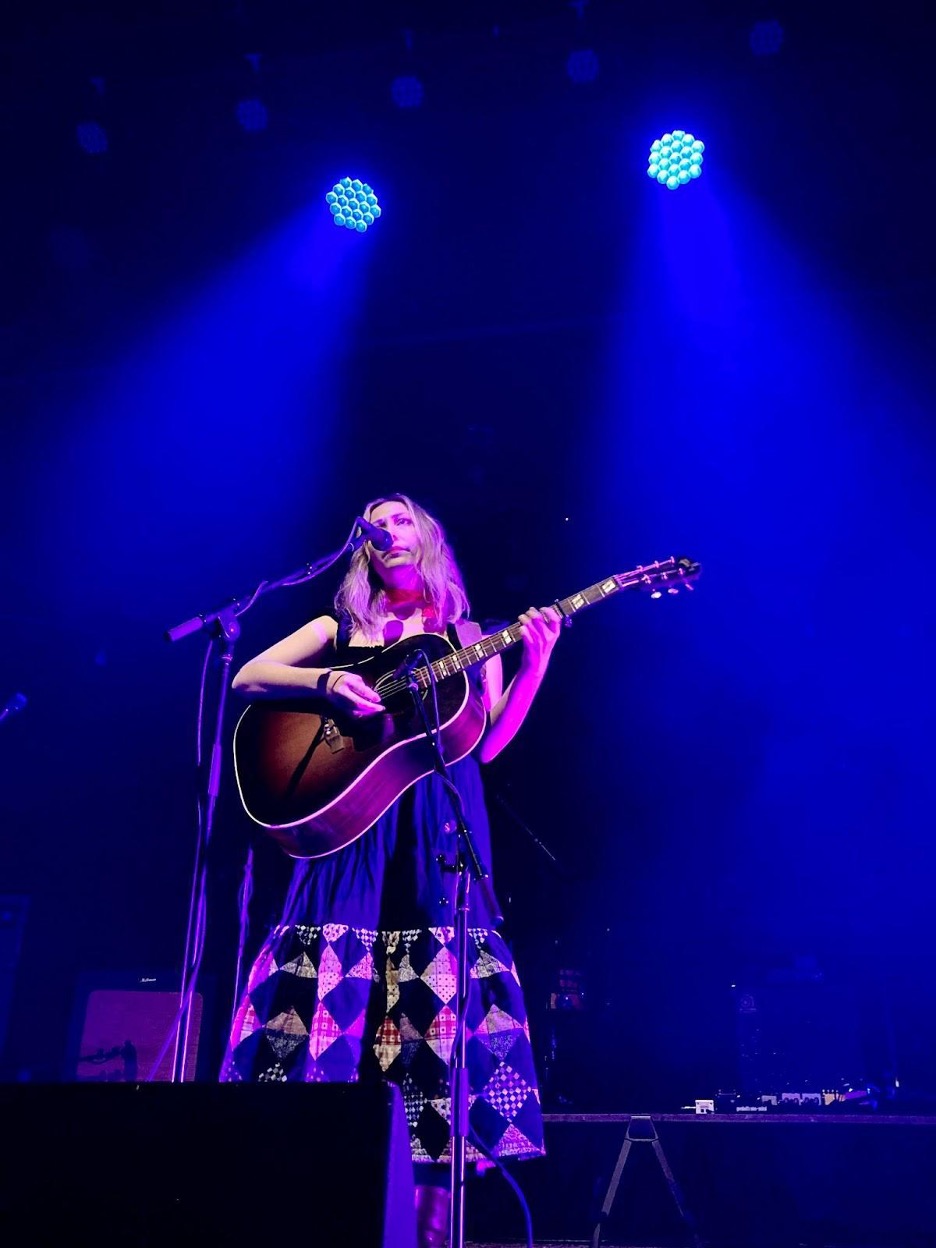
(539,631)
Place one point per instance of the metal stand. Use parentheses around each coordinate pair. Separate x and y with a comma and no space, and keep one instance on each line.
(222,626)
(228,629)
(650,1137)
(468,866)
(458,1083)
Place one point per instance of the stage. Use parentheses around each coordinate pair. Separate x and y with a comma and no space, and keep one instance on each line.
(135,1164)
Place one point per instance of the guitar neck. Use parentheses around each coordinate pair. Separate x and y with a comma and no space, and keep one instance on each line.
(495,643)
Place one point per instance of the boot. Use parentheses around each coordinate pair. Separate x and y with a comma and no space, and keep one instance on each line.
(432,1216)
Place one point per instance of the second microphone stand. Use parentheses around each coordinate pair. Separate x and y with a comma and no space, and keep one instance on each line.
(223,629)
(468,867)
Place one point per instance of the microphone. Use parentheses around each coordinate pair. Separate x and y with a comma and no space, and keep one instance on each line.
(380,539)
(410,664)
(14,704)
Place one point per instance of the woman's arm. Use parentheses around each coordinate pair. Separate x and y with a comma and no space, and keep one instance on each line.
(509,708)
(292,668)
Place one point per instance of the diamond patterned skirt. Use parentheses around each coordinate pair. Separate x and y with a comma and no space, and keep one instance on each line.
(337,1003)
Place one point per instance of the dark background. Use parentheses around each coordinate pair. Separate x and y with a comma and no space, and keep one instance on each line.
(578,371)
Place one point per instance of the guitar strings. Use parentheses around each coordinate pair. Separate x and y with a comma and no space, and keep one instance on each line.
(640,578)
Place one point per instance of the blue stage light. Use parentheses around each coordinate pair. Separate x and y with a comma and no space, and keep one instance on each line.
(582,66)
(766,38)
(407,92)
(675,159)
(92,137)
(353,204)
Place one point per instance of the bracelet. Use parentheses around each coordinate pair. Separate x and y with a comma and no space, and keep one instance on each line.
(329,684)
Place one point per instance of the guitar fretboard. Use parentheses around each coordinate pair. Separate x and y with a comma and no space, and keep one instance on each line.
(494,643)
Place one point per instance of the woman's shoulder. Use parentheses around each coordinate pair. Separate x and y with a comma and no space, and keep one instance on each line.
(326,625)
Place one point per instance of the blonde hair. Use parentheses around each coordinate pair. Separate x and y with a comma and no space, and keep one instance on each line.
(362,594)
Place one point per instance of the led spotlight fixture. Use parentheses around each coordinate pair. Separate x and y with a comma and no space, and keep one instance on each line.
(582,66)
(92,137)
(766,38)
(407,92)
(353,204)
(252,115)
(675,159)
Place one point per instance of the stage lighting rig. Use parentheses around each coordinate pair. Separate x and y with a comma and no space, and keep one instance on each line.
(675,159)
(766,38)
(252,115)
(407,91)
(353,204)
(251,112)
(92,137)
(582,66)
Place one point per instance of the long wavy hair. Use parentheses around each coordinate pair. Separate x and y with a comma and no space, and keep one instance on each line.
(362,594)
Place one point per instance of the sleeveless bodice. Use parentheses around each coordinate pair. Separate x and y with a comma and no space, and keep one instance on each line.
(392,877)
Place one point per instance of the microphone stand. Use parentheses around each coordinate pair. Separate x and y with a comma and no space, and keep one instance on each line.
(223,629)
(467,866)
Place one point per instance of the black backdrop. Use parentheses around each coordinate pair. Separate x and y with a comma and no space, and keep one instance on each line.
(469,372)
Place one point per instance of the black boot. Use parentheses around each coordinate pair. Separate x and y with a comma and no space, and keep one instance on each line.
(432,1216)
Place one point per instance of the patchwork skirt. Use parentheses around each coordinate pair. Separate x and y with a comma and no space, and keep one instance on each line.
(336,1003)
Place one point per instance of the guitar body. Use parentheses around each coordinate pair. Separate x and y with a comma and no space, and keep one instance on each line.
(316,780)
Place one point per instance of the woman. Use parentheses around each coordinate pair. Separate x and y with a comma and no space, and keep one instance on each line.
(375,919)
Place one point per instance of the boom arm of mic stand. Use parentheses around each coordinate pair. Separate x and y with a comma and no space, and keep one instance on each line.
(223,626)
(212,621)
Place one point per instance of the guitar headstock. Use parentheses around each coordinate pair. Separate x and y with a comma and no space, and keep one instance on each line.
(664,576)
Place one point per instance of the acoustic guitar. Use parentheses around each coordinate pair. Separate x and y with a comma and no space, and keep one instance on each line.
(316,779)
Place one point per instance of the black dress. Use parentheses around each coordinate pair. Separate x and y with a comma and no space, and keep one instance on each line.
(358,978)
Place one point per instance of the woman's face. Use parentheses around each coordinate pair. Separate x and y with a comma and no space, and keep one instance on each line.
(398,565)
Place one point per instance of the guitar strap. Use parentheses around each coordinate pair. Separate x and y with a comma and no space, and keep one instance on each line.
(463,633)
(344,629)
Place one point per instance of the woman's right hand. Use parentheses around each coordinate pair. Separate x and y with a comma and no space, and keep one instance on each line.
(350,693)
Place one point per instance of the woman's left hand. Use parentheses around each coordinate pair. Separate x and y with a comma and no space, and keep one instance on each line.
(539,631)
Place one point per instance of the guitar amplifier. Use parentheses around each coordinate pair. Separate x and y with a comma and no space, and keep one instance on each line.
(123,1029)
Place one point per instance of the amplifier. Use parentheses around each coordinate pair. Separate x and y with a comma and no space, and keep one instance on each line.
(123,1029)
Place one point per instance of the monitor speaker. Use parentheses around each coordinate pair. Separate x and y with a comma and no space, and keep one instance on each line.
(123,1165)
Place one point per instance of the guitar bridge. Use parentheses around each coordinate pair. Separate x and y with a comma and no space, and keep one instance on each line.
(332,734)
